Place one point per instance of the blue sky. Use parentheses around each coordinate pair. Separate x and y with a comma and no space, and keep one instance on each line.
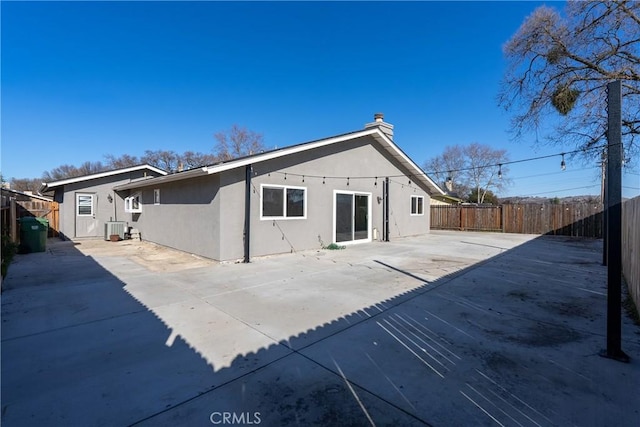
(81,80)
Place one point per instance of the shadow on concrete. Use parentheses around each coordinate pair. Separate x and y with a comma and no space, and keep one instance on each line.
(512,340)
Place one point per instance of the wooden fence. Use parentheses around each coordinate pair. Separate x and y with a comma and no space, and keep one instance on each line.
(15,207)
(631,247)
(576,219)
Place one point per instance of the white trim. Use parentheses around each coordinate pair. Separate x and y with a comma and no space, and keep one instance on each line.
(411,205)
(49,185)
(33,196)
(93,198)
(129,201)
(375,132)
(284,202)
(369,216)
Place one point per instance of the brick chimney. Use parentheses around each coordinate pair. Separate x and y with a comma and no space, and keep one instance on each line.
(379,122)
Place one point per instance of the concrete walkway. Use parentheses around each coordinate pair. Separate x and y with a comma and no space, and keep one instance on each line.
(447,329)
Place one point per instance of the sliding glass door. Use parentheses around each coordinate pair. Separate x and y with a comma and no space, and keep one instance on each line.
(352,212)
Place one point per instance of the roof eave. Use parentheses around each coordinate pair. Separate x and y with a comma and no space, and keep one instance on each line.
(162,179)
(375,132)
(51,185)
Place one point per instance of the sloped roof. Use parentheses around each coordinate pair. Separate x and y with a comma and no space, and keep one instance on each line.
(27,194)
(46,186)
(386,143)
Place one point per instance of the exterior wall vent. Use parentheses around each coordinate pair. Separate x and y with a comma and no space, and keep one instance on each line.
(114,227)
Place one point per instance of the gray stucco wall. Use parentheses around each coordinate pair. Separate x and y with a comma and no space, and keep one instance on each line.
(205,215)
(187,218)
(104,210)
(353,158)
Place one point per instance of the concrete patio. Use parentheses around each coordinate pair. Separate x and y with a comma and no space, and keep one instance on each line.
(447,329)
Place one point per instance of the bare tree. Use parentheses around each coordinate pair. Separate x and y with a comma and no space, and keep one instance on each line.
(445,169)
(238,142)
(123,161)
(485,170)
(167,160)
(190,159)
(474,169)
(26,184)
(562,64)
(70,171)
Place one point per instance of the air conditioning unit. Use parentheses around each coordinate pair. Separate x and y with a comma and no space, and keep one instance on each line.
(114,227)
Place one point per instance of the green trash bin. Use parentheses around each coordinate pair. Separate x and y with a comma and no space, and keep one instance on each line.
(33,234)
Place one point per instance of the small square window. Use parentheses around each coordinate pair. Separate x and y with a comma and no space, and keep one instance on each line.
(417,205)
(133,203)
(84,204)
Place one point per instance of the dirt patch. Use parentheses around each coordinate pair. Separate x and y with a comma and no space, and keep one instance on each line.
(153,257)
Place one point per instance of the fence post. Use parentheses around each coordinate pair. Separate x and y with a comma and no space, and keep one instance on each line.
(13,220)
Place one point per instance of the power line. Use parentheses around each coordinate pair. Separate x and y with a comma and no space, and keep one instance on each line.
(530,159)
(556,173)
(511,162)
(560,191)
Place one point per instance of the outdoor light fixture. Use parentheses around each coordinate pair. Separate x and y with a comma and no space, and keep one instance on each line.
(109,198)
(563,165)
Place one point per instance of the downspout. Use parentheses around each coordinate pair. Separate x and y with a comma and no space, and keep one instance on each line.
(115,208)
(247,213)
(385,196)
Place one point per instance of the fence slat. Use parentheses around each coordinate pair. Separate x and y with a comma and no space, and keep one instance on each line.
(576,219)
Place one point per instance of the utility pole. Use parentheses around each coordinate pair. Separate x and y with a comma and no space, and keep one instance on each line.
(603,201)
(614,226)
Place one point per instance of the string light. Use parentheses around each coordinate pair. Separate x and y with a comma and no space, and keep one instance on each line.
(449,178)
(500,170)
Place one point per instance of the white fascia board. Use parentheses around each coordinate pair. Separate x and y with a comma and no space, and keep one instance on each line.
(386,143)
(162,179)
(395,151)
(287,151)
(100,175)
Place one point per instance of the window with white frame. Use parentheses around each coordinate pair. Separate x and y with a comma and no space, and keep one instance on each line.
(84,204)
(283,202)
(417,205)
(156,196)
(133,203)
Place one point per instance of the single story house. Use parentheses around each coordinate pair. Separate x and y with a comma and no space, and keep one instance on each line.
(86,203)
(346,189)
